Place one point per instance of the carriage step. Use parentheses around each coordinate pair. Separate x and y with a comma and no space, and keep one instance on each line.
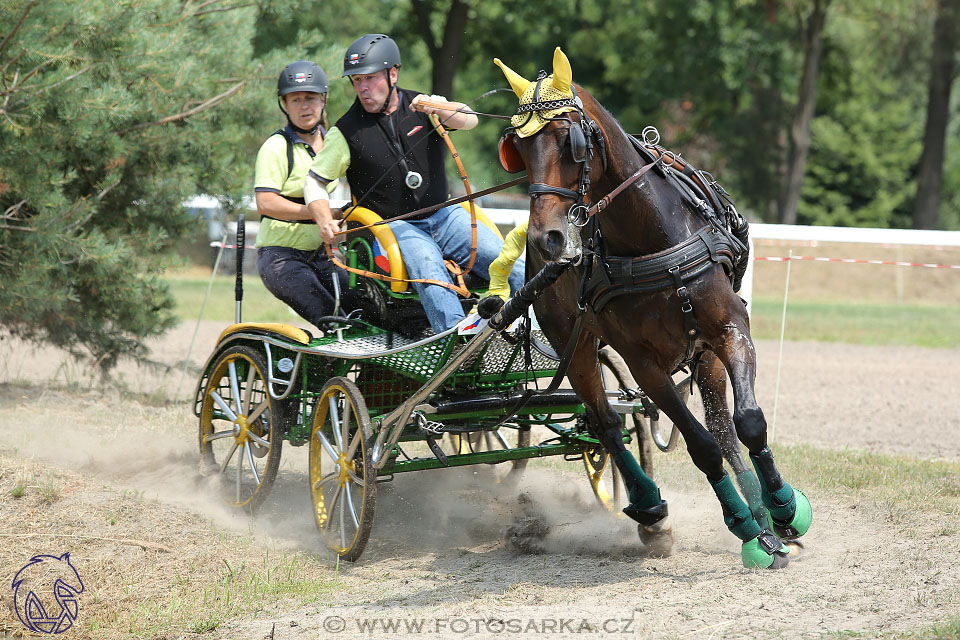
(437,451)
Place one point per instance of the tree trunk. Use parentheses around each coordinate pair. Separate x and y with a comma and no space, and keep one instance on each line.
(938,113)
(446,54)
(800,128)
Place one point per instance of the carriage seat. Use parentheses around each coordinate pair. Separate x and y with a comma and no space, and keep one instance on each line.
(390,261)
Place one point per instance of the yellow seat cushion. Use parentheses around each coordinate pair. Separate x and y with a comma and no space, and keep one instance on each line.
(388,241)
(286,330)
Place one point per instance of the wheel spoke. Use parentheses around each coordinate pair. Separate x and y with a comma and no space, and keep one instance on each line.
(327,446)
(345,423)
(352,451)
(253,467)
(263,406)
(356,479)
(248,390)
(217,435)
(335,420)
(258,440)
(343,524)
(235,385)
(325,479)
(226,458)
(223,406)
(353,511)
(333,502)
(239,473)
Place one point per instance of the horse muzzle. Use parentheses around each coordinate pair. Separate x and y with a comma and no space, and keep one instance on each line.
(556,245)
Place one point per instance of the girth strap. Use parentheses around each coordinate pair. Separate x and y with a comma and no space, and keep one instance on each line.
(617,276)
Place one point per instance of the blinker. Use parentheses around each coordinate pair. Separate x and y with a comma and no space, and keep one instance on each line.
(578,143)
(510,158)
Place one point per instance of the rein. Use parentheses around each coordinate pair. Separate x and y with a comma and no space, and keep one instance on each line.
(435,207)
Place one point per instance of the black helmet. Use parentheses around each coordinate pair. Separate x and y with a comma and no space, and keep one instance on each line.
(371,53)
(301,76)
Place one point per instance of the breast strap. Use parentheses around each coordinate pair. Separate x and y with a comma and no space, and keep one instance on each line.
(616,276)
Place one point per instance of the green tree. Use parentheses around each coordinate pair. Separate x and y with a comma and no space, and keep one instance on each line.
(111,115)
(866,139)
(945,32)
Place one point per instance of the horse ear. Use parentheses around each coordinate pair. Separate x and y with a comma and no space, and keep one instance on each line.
(517,82)
(66,556)
(562,73)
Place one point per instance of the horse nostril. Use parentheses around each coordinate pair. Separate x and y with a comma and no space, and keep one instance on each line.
(553,242)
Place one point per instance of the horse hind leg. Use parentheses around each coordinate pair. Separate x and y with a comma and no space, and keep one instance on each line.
(790,511)
(760,548)
(712,381)
(646,506)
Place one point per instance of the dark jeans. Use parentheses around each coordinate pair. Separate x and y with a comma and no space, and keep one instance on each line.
(304,281)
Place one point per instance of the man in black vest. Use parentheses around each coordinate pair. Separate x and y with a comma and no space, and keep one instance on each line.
(379,146)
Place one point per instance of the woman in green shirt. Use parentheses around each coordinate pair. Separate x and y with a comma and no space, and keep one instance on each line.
(290,256)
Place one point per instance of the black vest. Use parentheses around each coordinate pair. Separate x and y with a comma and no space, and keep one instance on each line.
(375,148)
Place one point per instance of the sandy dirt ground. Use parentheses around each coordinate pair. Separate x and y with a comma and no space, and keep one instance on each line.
(439,563)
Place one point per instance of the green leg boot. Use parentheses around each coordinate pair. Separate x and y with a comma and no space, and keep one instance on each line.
(761,548)
(750,489)
(790,511)
(766,551)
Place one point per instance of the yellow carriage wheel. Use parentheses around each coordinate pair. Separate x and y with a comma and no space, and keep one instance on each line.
(240,433)
(604,477)
(343,482)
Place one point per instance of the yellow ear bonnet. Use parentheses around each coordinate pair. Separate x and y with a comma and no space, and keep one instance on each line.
(554,87)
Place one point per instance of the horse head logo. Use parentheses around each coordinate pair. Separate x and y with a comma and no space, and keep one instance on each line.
(34,585)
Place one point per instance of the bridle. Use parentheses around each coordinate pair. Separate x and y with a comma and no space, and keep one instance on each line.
(585,138)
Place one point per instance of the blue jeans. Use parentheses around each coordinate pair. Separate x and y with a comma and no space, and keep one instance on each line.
(446,235)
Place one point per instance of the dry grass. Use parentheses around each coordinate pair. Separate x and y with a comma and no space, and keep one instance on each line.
(150,569)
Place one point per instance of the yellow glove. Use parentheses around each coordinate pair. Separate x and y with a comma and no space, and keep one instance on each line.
(500,268)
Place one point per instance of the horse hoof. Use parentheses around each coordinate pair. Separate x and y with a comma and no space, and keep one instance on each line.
(797,550)
(799,524)
(765,551)
(657,538)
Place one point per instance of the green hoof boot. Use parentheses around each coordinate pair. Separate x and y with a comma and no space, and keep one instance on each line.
(799,524)
(766,551)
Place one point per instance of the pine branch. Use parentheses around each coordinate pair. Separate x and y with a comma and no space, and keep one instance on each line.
(14,227)
(13,211)
(236,6)
(23,17)
(212,102)
(40,90)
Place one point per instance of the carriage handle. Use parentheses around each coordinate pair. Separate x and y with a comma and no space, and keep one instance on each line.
(392,425)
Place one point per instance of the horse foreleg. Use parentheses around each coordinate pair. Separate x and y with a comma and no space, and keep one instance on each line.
(790,510)
(646,506)
(712,381)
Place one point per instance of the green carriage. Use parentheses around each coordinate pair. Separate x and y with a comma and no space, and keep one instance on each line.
(372,402)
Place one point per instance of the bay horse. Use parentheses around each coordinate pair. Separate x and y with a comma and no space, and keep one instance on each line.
(652,279)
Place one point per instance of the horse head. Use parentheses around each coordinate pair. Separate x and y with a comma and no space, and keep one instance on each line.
(554,139)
